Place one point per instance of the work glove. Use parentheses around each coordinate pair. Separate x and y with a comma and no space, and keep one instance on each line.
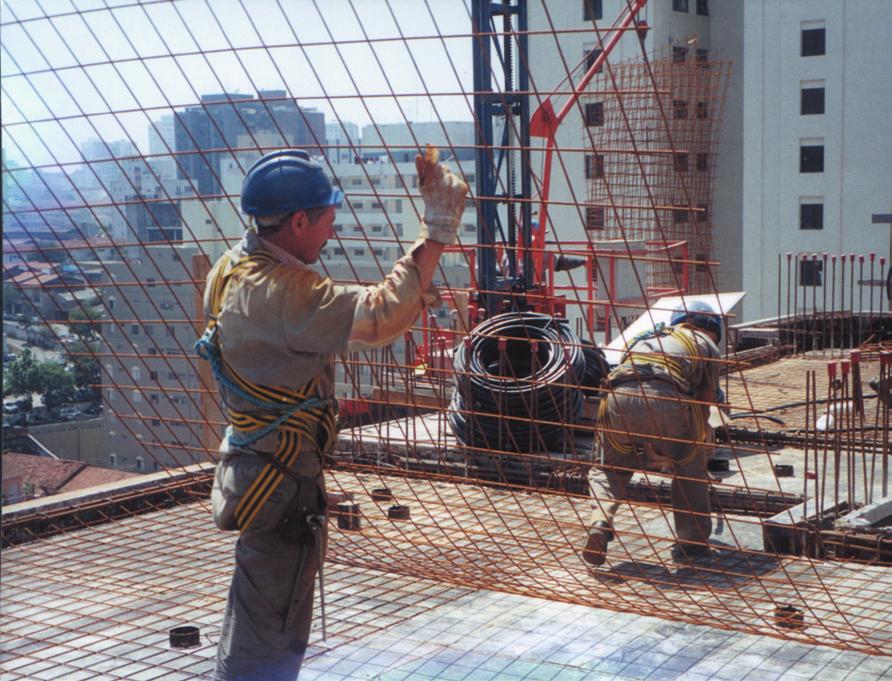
(444,198)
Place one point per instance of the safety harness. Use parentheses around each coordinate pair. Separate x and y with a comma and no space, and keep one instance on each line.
(295,414)
(639,367)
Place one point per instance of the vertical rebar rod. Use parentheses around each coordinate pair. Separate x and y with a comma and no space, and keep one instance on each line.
(789,268)
(832,303)
(824,304)
(814,299)
(885,364)
(851,299)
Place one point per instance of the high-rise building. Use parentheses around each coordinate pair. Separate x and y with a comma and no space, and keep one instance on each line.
(801,158)
(156,399)
(212,130)
(401,141)
(342,141)
(379,220)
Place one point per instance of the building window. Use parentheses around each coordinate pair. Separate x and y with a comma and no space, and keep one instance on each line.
(111,303)
(811,216)
(135,373)
(112,460)
(109,394)
(810,272)
(703,8)
(134,329)
(592,10)
(378,228)
(680,163)
(150,282)
(679,108)
(166,305)
(680,214)
(703,214)
(153,398)
(398,204)
(140,464)
(594,166)
(702,111)
(813,42)
(357,205)
(812,101)
(680,5)
(811,158)
(153,375)
(591,57)
(594,114)
(339,251)
(169,330)
(375,205)
(358,251)
(679,54)
(702,163)
(702,58)
(136,396)
(594,218)
(156,422)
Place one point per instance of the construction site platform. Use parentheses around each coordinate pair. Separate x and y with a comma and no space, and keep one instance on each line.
(479,583)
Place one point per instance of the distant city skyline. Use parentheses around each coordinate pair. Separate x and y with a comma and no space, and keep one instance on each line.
(73,89)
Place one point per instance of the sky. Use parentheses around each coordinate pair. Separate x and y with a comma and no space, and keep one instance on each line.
(89,71)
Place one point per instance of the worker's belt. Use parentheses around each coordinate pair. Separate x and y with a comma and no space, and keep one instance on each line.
(639,373)
(297,416)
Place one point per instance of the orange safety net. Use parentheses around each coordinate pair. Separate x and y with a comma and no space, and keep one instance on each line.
(128,128)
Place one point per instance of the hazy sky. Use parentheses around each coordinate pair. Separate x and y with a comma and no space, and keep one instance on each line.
(90,71)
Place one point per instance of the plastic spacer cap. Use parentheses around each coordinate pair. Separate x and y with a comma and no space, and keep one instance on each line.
(855,357)
(844,367)
(831,369)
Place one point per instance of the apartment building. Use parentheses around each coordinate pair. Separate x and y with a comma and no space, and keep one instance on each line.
(154,392)
(803,157)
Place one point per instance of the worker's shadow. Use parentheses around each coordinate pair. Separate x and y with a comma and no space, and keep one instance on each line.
(726,567)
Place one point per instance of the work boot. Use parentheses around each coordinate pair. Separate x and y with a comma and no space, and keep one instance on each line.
(595,551)
(689,552)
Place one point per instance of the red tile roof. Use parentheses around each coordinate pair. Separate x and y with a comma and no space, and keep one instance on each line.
(51,476)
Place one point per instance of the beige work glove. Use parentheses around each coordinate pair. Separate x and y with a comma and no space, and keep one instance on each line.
(444,198)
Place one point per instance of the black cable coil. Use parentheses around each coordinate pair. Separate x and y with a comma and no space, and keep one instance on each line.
(518,399)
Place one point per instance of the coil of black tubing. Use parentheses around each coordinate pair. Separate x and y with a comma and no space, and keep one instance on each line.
(503,402)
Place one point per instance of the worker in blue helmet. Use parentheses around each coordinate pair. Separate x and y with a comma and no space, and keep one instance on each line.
(656,414)
(274,325)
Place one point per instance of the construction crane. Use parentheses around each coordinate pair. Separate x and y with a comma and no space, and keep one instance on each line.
(510,242)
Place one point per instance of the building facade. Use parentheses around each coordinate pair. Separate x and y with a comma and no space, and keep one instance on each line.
(802,159)
(154,392)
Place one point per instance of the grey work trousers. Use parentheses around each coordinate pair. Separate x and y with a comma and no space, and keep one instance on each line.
(269,611)
(652,412)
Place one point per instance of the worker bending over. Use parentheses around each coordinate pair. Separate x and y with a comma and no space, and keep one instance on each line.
(274,326)
(659,405)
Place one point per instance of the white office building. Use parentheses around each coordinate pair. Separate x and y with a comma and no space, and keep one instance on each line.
(804,155)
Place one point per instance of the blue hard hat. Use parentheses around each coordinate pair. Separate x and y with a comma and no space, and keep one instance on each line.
(700,314)
(285,181)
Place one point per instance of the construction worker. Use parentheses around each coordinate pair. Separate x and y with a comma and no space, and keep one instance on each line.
(656,413)
(275,324)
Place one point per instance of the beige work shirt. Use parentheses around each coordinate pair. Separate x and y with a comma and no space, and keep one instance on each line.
(687,357)
(280,326)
